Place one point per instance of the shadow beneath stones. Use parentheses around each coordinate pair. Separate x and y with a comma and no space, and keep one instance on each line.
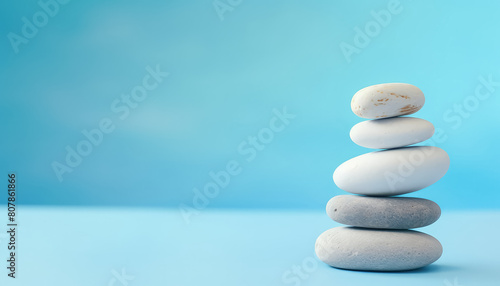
(433,268)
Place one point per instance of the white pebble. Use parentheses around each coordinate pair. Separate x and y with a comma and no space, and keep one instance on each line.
(391,132)
(392,172)
(387,100)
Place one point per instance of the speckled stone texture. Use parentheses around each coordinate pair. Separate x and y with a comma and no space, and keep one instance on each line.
(387,100)
(377,250)
(381,212)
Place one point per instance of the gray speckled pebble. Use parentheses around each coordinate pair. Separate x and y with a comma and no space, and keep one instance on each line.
(380,212)
(377,250)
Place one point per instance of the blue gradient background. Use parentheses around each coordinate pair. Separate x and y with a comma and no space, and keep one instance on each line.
(226,77)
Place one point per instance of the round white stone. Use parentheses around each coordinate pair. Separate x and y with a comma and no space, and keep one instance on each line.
(391,132)
(377,250)
(387,100)
(392,172)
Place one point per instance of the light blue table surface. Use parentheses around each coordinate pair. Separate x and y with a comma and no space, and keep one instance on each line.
(113,246)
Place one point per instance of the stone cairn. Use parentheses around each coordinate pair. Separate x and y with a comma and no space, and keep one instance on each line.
(378,235)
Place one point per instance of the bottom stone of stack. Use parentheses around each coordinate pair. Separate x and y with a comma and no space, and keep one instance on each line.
(356,248)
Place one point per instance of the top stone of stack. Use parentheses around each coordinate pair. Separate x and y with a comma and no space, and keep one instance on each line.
(387,100)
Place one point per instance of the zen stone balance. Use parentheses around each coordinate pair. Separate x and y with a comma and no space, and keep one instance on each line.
(378,236)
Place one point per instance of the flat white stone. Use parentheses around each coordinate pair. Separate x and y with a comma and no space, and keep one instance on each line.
(391,132)
(377,250)
(387,100)
(392,172)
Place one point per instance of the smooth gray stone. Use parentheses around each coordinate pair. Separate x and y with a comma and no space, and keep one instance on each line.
(383,212)
(377,250)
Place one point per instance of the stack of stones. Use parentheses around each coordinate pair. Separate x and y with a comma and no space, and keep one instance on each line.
(377,237)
